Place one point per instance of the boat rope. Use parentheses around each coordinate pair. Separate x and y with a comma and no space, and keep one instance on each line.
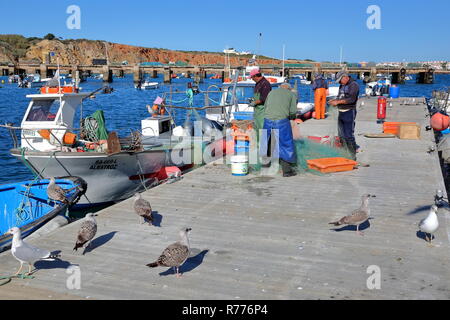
(189,97)
(24,211)
(18,276)
(142,175)
(90,130)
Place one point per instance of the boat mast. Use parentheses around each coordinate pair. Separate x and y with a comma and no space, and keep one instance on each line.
(284,47)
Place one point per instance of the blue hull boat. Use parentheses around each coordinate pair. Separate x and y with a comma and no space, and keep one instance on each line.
(26,205)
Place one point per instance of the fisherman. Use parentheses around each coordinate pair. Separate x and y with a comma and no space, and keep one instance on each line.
(346,104)
(320,88)
(261,90)
(280,108)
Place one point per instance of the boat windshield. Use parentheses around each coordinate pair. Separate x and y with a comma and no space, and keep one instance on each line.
(43,110)
(242,94)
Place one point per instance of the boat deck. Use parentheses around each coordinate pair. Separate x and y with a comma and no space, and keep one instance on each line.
(268,237)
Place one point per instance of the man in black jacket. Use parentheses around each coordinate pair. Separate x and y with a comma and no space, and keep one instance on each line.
(346,104)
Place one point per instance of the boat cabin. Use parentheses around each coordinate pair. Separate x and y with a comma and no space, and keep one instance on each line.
(48,118)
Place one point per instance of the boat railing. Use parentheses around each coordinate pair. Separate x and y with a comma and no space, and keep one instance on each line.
(13,133)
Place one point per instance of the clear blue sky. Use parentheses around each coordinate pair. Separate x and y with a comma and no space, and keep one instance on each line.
(410,29)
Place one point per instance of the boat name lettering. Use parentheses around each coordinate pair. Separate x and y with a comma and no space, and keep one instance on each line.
(104,165)
(29,132)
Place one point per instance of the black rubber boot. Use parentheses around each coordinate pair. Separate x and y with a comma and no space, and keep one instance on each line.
(287,168)
(351,147)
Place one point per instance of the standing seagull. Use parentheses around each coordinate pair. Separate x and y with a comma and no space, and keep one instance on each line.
(175,254)
(87,231)
(358,216)
(24,252)
(430,224)
(143,208)
(55,192)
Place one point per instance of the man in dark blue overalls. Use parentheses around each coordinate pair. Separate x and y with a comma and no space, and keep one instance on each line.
(346,104)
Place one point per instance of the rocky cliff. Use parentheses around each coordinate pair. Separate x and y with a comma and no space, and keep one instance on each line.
(83,51)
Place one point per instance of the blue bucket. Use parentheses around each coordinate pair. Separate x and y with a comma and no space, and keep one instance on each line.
(241,146)
(394,92)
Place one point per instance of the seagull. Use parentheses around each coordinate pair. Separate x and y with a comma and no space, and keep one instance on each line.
(87,231)
(358,216)
(24,252)
(143,208)
(175,254)
(430,224)
(55,192)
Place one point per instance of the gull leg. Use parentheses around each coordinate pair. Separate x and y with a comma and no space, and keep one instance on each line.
(430,244)
(359,232)
(20,269)
(178,274)
(29,269)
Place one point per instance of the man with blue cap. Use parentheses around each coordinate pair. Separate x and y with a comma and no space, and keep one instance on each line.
(346,104)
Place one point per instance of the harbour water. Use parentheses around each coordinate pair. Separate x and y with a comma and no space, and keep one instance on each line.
(126,106)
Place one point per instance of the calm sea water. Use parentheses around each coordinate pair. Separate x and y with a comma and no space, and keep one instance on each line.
(126,106)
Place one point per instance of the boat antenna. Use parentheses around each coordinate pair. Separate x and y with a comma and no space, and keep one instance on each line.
(284,47)
(258,52)
(59,83)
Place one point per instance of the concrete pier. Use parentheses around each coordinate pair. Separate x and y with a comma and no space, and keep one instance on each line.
(167,75)
(268,237)
(107,74)
(137,74)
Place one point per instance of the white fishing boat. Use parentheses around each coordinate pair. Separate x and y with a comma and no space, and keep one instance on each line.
(333,91)
(378,88)
(235,102)
(113,168)
(244,76)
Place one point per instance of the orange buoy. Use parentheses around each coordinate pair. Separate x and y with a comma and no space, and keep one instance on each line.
(69,138)
(45,133)
(440,121)
(53,90)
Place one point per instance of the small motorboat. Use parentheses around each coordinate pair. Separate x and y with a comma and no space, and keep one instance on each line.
(26,205)
(147,85)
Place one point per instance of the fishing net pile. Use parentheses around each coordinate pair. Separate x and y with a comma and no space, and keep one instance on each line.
(311,147)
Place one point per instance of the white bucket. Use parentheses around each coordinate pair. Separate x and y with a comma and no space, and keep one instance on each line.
(239,165)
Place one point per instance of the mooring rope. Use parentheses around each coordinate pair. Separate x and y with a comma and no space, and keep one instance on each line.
(18,276)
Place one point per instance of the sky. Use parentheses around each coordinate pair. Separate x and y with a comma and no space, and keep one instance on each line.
(408,30)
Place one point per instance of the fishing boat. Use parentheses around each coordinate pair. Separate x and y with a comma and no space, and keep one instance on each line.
(114,168)
(26,205)
(378,88)
(243,78)
(235,101)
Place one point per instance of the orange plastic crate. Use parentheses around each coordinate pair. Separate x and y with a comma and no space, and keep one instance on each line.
(327,165)
(394,127)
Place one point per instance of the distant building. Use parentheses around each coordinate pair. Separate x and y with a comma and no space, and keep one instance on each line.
(233,51)
(230,51)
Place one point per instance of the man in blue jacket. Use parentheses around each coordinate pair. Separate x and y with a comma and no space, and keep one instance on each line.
(346,104)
